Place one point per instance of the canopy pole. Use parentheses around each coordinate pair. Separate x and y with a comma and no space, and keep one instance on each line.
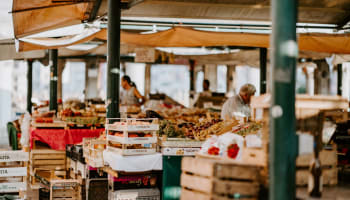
(113,59)
(340,79)
(192,81)
(53,54)
(263,62)
(30,85)
(283,139)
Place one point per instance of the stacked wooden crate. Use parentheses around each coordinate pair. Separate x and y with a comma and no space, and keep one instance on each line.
(208,179)
(13,172)
(56,188)
(47,159)
(328,160)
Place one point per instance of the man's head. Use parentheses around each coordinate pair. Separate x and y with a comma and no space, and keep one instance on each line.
(206,85)
(246,92)
(126,81)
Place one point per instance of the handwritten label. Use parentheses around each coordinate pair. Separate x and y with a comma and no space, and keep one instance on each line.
(11,156)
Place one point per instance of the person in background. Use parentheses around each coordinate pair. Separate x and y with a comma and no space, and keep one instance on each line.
(129,94)
(206,91)
(239,103)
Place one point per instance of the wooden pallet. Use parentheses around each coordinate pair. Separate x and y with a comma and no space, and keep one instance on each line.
(206,179)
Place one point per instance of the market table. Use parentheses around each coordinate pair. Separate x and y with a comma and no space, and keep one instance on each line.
(57,139)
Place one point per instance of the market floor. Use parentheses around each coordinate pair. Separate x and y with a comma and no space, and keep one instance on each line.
(329,193)
(340,192)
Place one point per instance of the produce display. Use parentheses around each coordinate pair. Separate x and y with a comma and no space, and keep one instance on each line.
(181,115)
(196,131)
(230,144)
(247,128)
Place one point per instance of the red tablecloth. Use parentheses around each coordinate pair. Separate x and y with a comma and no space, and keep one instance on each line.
(58,138)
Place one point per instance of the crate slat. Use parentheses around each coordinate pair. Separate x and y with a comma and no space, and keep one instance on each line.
(219,169)
(194,195)
(330,177)
(327,158)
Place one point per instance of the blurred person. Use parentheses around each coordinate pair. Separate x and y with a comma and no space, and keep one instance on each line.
(239,103)
(206,91)
(129,95)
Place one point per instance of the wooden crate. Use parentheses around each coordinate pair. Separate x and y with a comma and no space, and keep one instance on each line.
(125,145)
(305,106)
(206,179)
(328,160)
(58,188)
(13,171)
(329,175)
(46,159)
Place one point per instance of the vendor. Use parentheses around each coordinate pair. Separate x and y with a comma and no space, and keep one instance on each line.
(130,95)
(239,104)
(206,91)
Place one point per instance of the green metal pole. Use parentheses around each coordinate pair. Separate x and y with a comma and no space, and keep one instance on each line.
(113,59)
(283,139)
(53,54)
(30,85)
(263,62)
(340,79)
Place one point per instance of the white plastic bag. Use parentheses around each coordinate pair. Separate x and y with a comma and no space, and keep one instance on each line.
(210,142)
(227,139)
(25,130)
(253,141)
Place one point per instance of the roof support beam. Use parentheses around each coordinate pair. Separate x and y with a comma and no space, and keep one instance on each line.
(113,59)
(283,139)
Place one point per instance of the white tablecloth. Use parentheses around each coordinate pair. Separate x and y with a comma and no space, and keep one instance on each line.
(133,163)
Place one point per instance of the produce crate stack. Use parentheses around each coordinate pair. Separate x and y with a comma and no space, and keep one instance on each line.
(209,179)
(95,180)
(93,151)
(13,172)
(54,187)
(328,160)
(132,136)
(47,159)
(76,166)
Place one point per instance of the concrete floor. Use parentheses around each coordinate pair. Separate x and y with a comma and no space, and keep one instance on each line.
(329,193)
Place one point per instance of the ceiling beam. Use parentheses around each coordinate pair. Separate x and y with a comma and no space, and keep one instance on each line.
(94,10)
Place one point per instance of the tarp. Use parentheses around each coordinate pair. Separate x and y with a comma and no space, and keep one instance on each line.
(28,44)
(31,17)
(187,37)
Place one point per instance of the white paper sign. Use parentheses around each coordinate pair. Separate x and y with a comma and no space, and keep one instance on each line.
(11,156)
(12,187)
(306,143)
(14,171)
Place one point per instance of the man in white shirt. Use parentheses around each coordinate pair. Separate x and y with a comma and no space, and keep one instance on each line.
(239,104)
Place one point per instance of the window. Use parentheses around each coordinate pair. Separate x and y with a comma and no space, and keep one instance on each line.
(221,78)
(41,82)
(199,81)
(136,71)
(73,80)
(173,80)
(246,74)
